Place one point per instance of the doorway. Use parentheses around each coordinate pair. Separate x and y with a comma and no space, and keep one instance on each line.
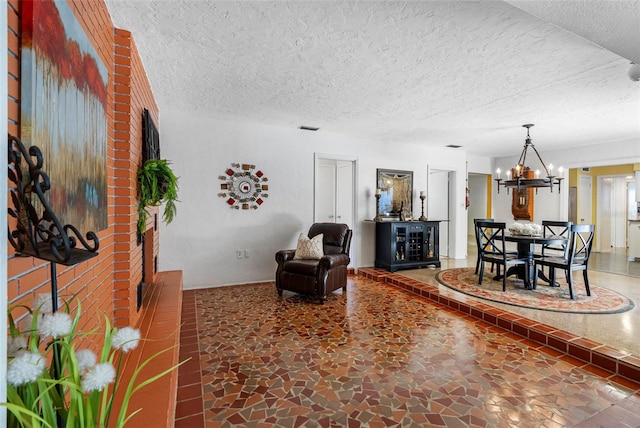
(612,211)
(441,196)
(585,197)
(479,204)
(605,199)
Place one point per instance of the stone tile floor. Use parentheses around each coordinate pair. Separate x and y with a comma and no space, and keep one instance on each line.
(377,356)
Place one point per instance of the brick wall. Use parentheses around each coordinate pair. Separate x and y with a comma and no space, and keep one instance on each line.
(132,95)
(106,284)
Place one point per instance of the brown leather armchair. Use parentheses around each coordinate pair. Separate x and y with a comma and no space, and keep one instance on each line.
(317,278)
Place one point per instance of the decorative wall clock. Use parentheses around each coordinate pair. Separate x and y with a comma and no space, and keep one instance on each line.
(243,187)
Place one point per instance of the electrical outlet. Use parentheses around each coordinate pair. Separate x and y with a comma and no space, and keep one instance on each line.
(239,254)
(246,254)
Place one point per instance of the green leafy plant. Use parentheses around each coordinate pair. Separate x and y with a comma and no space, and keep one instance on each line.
(51,383)
(158,184)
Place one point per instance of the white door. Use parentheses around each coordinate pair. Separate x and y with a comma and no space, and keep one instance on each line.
(344,192)
(438,205)
(325,197)
(619,213)
(605,225)
(334,191)
(584,200)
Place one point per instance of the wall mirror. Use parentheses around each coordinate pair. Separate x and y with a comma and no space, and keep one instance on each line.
(396,192)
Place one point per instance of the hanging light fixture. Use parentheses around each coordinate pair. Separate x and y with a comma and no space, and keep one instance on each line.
(522,177)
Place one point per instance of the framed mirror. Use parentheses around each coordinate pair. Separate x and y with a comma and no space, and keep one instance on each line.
(396,193)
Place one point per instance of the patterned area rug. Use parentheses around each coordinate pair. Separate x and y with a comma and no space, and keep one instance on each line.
(544,297)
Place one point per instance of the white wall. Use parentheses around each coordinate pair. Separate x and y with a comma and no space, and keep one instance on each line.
(554,205)
(479,164)
(203,239)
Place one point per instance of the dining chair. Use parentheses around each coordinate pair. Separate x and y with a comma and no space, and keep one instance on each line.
(493,250)
(475,225)
(555,228)
(577,259)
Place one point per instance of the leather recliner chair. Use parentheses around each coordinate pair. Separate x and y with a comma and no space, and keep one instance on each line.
(317,278)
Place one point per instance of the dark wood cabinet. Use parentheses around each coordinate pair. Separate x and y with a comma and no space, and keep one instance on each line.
(407,244)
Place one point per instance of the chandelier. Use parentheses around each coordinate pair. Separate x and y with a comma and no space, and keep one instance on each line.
(523,177)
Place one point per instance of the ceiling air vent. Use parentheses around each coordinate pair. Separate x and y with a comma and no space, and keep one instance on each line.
(453,146)
(308,128)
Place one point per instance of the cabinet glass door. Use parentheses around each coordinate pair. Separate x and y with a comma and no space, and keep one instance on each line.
(415,246)
(430,242)
(401,239)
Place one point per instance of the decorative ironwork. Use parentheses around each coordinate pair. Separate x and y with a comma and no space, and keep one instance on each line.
(40,236)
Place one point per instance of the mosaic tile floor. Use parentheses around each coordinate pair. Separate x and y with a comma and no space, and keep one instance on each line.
(378,356)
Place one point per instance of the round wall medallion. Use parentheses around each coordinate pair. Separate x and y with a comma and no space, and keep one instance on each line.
(243,187)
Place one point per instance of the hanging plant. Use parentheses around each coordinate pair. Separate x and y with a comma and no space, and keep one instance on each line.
(158,184)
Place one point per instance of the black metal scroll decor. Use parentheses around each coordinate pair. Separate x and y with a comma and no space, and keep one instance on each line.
(41,236)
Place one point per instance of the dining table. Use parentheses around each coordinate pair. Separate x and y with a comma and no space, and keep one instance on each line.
(526,250)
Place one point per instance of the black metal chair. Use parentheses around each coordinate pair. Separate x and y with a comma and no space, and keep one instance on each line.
(493,250)
(475,225)
(555,228)
(577,259)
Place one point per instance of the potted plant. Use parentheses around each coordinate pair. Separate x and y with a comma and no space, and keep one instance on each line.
(158,184)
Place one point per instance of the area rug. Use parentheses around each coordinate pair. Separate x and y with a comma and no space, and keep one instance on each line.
(544,297)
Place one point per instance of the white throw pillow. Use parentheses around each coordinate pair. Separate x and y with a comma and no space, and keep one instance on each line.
(310,249)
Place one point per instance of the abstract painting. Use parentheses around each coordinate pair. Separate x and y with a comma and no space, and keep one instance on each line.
(63,111)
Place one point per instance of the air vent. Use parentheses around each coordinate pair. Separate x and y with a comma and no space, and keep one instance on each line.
(453,146)
(308,128)
(586,169)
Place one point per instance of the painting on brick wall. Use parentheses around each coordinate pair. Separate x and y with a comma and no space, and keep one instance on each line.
(64,106)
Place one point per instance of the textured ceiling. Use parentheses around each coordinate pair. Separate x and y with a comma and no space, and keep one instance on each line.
(468,73)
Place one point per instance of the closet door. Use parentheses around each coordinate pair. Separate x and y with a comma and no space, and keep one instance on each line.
(325,198)
(334,191)
(344,192)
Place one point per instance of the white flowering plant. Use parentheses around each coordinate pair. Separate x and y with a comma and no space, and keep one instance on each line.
(51,383)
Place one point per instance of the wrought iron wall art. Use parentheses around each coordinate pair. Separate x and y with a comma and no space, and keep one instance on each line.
(40,235)
(243,187)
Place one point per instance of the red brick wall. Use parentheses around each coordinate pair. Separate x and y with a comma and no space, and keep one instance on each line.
(105,284)
(132,95)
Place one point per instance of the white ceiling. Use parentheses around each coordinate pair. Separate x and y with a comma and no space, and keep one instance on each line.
(468,73)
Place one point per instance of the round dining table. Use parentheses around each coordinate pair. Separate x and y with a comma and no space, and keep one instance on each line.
(526,249)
